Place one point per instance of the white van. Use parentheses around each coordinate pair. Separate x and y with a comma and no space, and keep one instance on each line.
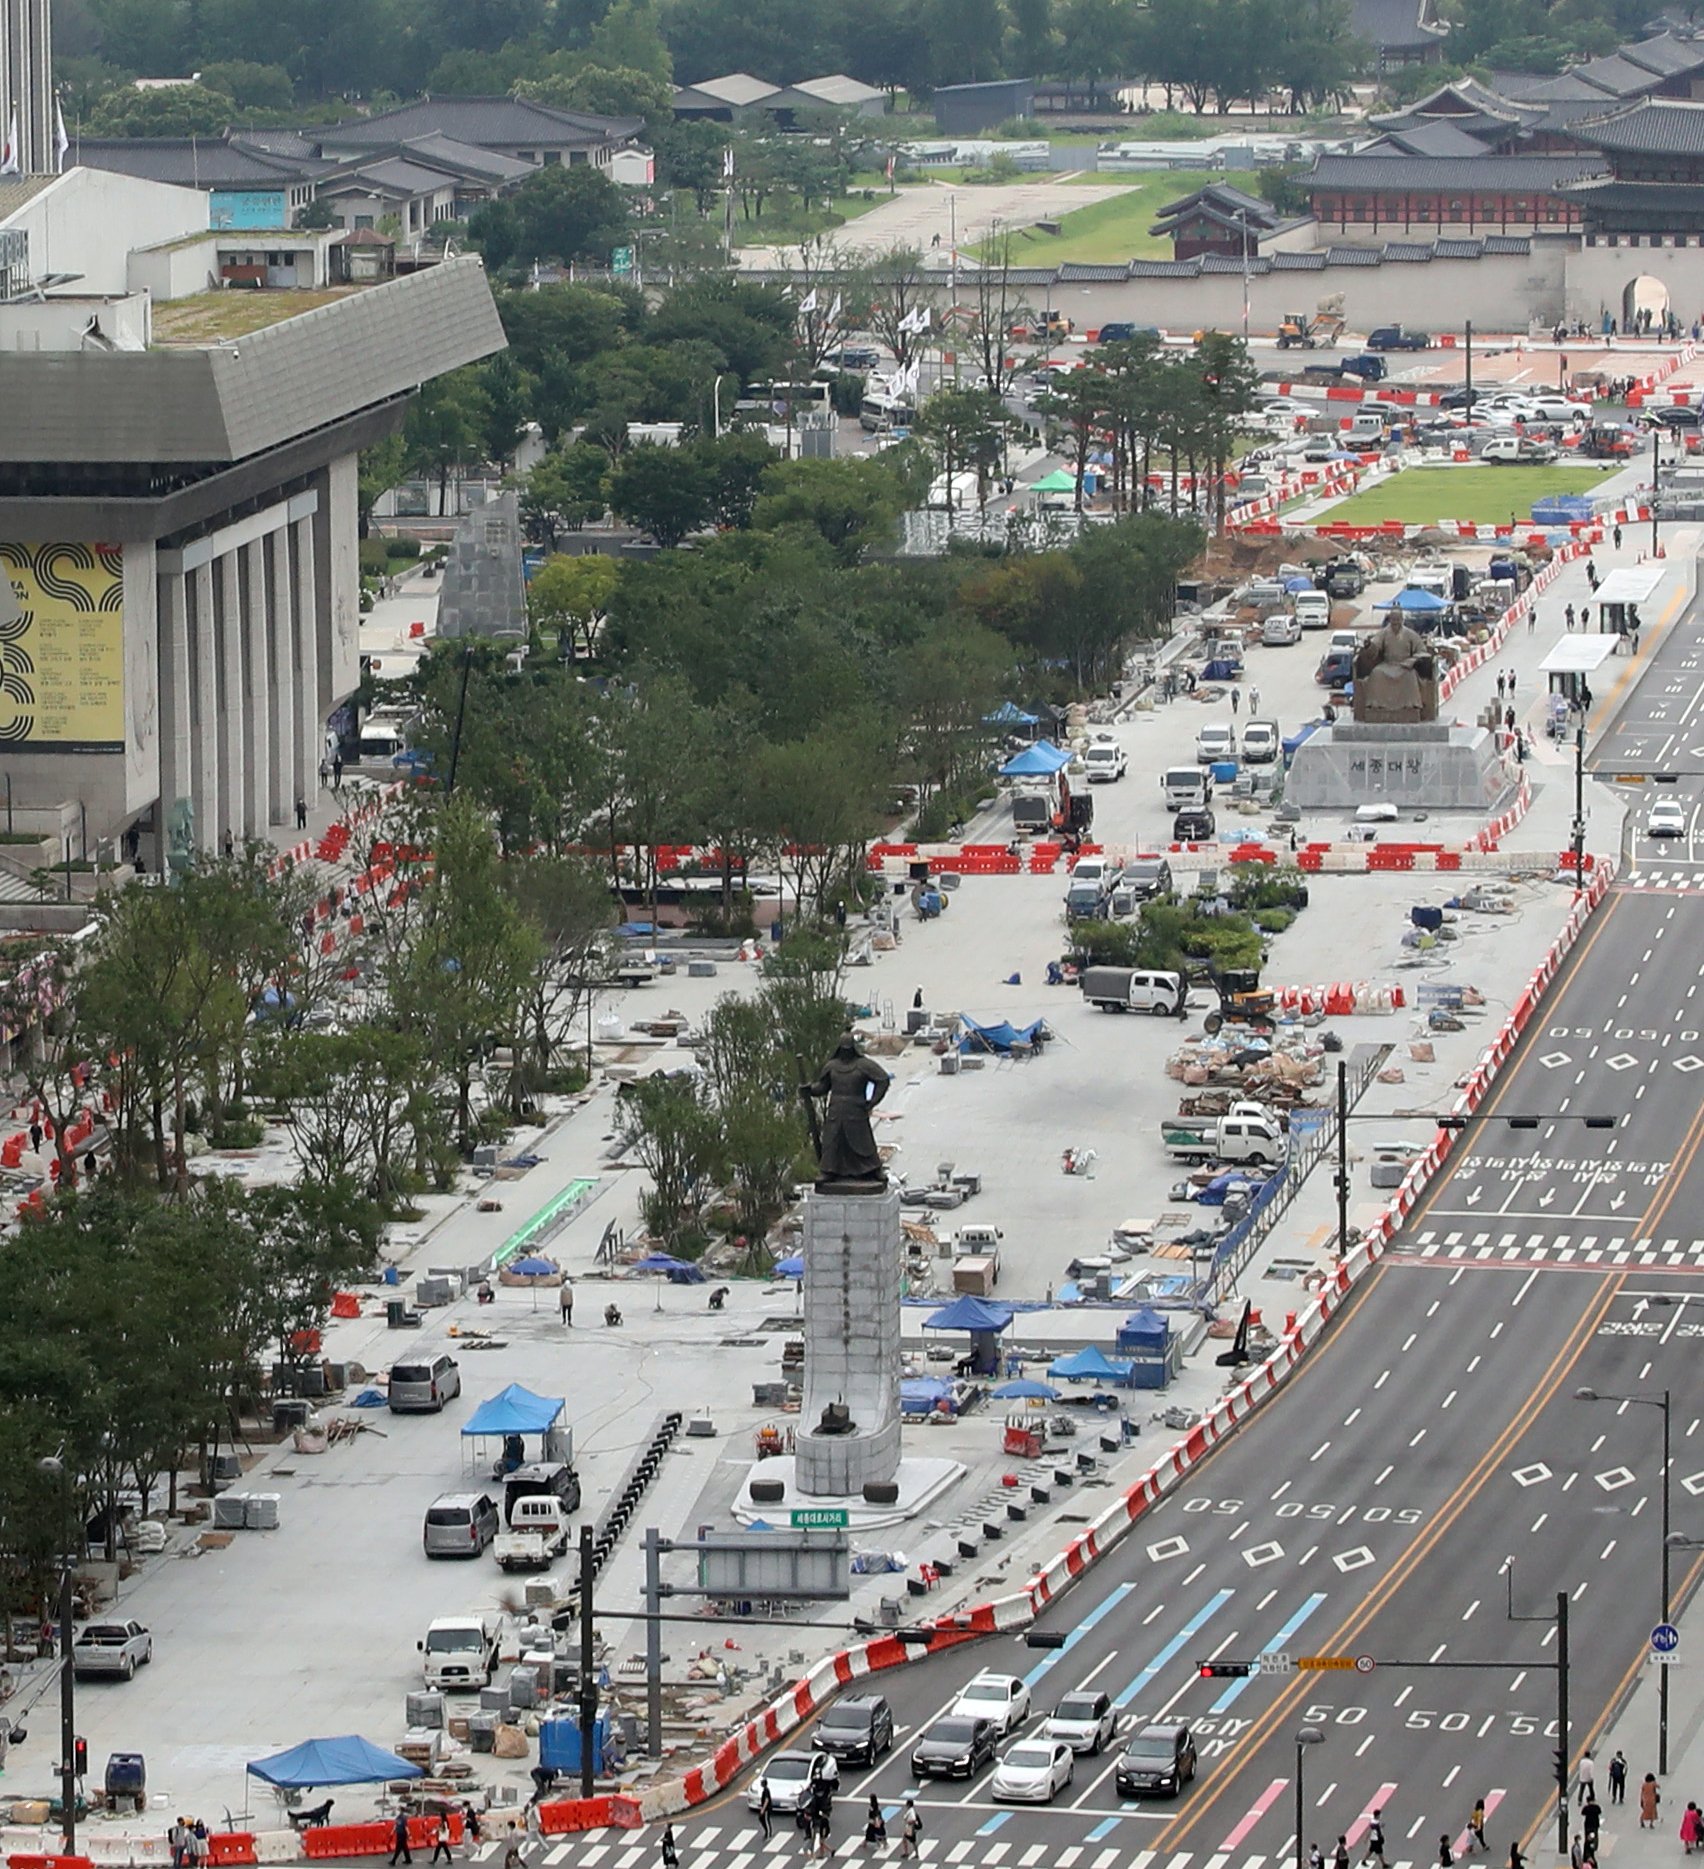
(1365,425)
(1217,740)
(1313,610)
(1186,785)
(1280,630)
(1260,742)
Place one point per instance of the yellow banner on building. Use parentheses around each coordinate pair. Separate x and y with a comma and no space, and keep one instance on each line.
(62,655)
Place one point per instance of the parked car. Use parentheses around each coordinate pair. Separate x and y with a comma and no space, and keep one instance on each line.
(954,1747)
(1260,743)
(858,1729)
(1194,825)
(1002,1698)
(1086,1721)
(1159,1758)
(118,1648)
(1682,415)
(1034,1771)
(1216,741)
(460,1525)
(423,1384)
(1396,337)
(1281,629)
(1106,762)
(789,1775)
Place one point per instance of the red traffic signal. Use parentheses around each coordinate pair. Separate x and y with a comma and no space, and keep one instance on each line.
(1222,1670)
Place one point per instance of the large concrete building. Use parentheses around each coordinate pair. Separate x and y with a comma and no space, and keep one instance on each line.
(178,527)
(26,84)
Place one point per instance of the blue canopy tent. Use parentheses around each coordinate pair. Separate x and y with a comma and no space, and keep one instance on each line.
(1146,1338)
(1040,761)
(514,1410)
(998,1038)
(1415,602)
(1026,1389)
(983,1320)
(1009,714)
(793,1267)
(535,1266)
(1090,1365)
(349,1760)
(676,1271)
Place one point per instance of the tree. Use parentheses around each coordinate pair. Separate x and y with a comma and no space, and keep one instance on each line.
(896,294)
(568,214)
(571,597)
(1078,402)
(350,1102)
(508,395)
(444,428)
(665,1121)
(996,303)
(736,463)
(965,429)
(604,91)
(689,156)
(565,489)
(249,85)
(175,110)
(381,467)
(667,491)
(318,216)
(568,903)
(852,505)
(628,38)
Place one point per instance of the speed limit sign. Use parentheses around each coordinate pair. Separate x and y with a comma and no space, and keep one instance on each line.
(1364,1664)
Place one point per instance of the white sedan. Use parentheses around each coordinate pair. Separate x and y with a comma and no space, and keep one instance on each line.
(1666,818)
(1034,1771)
(1002,1698)
(789,1775)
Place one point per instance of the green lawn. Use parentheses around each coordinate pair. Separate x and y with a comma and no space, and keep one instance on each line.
(1420,496)
(1117,229)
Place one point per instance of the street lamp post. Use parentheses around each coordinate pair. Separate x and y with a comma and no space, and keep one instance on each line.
(54,1464)
(1580,803)
(1651,1401)
(1656,477)
(1305,1736)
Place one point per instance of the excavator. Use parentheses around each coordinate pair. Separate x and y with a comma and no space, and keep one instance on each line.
(1312,330)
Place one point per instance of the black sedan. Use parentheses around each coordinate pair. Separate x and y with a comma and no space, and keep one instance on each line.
(954,1747)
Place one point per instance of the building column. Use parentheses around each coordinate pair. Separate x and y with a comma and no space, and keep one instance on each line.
(230,700)
(204,714)
(310,719)
(289,782)
(177,726)
(258,813)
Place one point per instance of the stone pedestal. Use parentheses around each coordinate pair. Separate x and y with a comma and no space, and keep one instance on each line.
(1429,766)
(851,1305)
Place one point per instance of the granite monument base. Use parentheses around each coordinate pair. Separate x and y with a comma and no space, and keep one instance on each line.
(853,1262)
(1428,766)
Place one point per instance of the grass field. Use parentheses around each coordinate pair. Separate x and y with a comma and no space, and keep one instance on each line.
(1117,229)
(1485,495)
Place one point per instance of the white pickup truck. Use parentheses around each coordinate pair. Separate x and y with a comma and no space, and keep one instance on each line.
(1249,1132)
(536,1536)
(112,1648)
(461,1651)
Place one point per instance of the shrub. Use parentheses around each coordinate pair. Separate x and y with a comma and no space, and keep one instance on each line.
(402,548)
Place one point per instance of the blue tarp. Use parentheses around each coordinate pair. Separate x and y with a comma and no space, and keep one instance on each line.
(1026,1389)
(1001,1037)
(1558,509)
(1009,714)
(514,1411)
(1036,762)
(676,1271)
(969,1313)
(1419,602)
(346,1761)
(918,1395)
(1090,1363)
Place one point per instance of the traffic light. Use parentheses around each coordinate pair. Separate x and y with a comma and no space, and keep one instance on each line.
(1223,1670)
(1559,1766)
(80,1757)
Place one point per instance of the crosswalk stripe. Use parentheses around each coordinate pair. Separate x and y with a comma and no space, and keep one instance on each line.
(1032,1856)
(560,1854)
(595,1855)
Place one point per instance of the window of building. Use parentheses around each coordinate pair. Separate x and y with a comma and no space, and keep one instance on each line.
(553,158)
(576,158)
(363,220)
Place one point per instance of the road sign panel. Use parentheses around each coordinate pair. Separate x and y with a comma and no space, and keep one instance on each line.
(1275,1661)
(1325,1663)
(819,1518)
(1665,1640)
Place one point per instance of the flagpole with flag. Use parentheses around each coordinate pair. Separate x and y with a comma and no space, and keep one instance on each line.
(9,148)
(61,142)
(728,202)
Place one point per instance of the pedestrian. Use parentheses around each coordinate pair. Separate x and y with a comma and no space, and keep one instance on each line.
(325,772)
(1446,1855)
(441,1839)
(1509,719)
(565,1302)
(1576,1853)
(1340,1855)
(514,1857)
(535,1823)
(1236,700)
(1502,684)
(1253,701)
(36,1135)
(1516,1859)
(1532,619)
(1568,616)
(1691,1827)
(230,844)
(1586,1778)
(1316,1857)
(1511,697)
(399,1840)
(1591,1822)
(766,1812)
(804,1819)
(671,1851)
(1476,1827)
(1375,1841)
(1650,1796)
(472,1829)
(875,1824)
(200,1845)
(175,1837)
(917,1000)
(910,1829)
(337,771)
(1618,1779)
(1616,535)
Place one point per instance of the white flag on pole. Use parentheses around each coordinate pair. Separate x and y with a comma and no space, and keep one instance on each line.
(834,310)
(9,148)
(61,142)
(808,303)
(728,163)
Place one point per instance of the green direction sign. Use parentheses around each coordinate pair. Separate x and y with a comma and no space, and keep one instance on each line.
(819,1519)
(621,260)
